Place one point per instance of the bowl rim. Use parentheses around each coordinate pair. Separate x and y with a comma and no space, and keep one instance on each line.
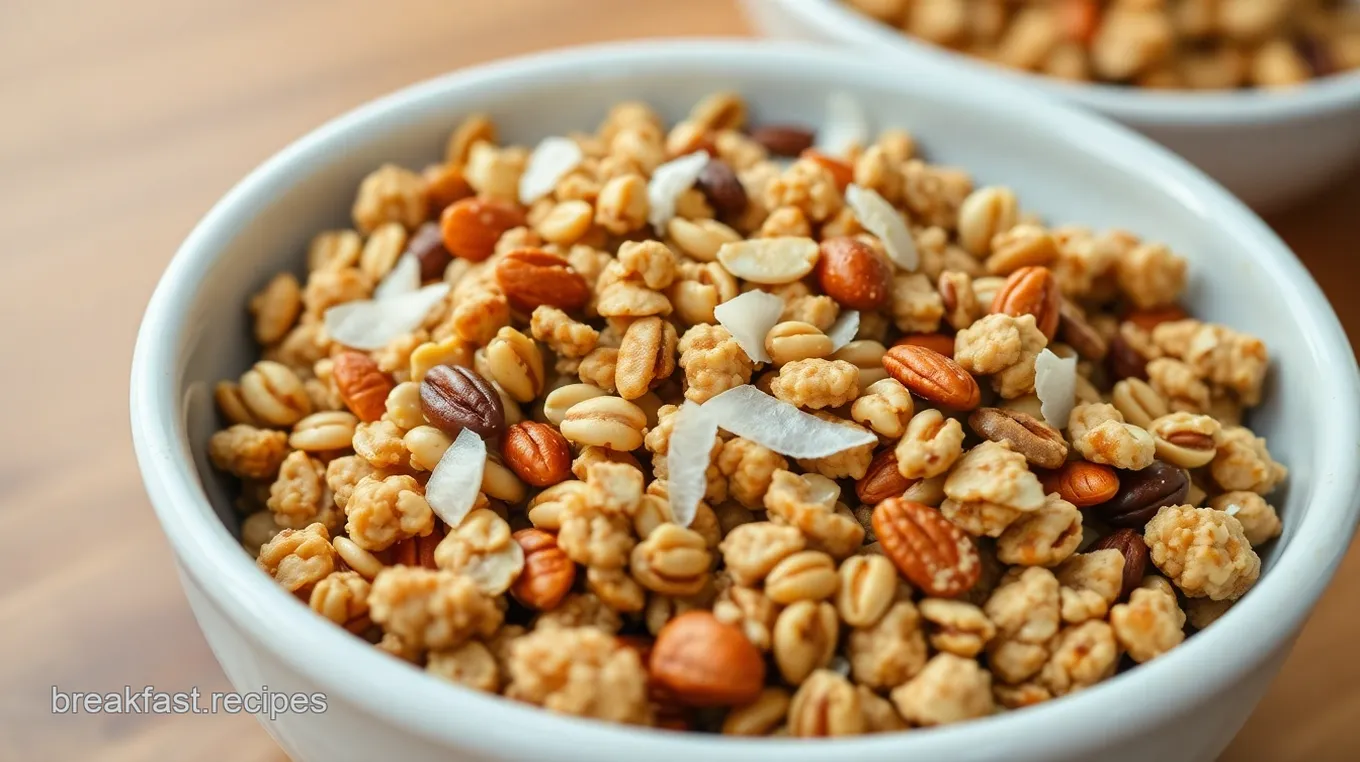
(1337,92)
(346,668)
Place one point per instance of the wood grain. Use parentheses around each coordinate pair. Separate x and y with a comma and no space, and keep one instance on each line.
(122,123)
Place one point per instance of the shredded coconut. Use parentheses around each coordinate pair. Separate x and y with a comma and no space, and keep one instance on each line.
(748,412)
(748,318)
(457,478)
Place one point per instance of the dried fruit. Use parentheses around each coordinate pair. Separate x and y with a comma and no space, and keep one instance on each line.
(782,139)
(932,553)
(1030,291)
(1130,544)
(427,246)
(882,480)
(1082,483)
(1142,493)
(533,277)
(537,453)
(852,273)
(363,387)
(453,398)
(704,662)
(720,186)
(932,376)
(1040,443)
(472,226)
(548,574)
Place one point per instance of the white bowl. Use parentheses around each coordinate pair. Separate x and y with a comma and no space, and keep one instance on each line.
(1271,148)
(1069,166)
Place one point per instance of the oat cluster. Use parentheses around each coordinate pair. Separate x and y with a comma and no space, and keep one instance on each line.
(1022,560)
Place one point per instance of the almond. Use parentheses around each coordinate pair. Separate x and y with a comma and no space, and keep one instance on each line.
(704,662)
(533,277)
(932,376)
(537,453)
(363,387)
(932,553)
(938,342)
(1082,483)
(882,480)
(472,226)
(1030,291)
(852,273)
(548,574)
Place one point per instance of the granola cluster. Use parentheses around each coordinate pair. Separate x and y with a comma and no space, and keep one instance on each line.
(622,562)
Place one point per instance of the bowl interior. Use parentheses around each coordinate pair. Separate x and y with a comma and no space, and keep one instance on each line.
(1067,167)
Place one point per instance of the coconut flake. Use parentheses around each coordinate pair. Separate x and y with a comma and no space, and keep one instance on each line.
(880,218)
(404,278)
(843,331)
(1232,509)
(551,160)
(371,323)
(846,126)
(748,412)
(668,182)
(457,478)
(1055,381)
(687,458)
(749,317)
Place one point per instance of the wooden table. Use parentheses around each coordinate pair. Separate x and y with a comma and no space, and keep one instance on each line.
(122,122)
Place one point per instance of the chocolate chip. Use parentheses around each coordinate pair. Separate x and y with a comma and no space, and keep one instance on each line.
(1314,52)
(1131,546)
(454,398)
(427,244)
(724,191)
(1040,443)
(1142,493)
(783,140)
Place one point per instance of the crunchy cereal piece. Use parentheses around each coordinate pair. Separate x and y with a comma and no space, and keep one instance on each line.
(949,689)
(622,205)
(1149,625)
(298,558)
(299,496)
(561,334)
(807,186)
(1203,551)
(891,651)
(1098,432)
(1177,383)
(1026,612)
(846,464)
(580,610)
(247,452)
(599,367)
(989,345)
(880,716)
(613,488)
(957,627)
(580,671)
(1150,275)
(341,597)
(1017,380)
(334,249)
(989,488)
(713,362)
(672,560)
(384,511)
(826,705)
(431,609)
(1083,655)
(1091,583)
(915,305)
(476,317)
(790,499)
(884,406)
(380,443)
(1203,612)
(342,474)
(1020,696)
(930,446)
(1244,463)
(257,529)
(750,610)
(748,468)
(591,537)
(1226,358)
(1045,537)
(329,287)
(471,665)
(1260,523)
(391,194)
(495,172)
(816,383)
(651,261)
(814,309)
(276,308)
(750,551)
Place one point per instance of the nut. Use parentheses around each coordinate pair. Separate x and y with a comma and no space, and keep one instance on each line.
(1030,291)
(782,139)
(1040,443)
(472,226)
(782,259)
(1082,483)
(932,553)
(882,480)
(936,342)
(703,662)
(853,273)
(646,356)
(720,186)
(610,422)
(868,587)
(363,387)
(548,574)
(537,453)
(808,575)
(932,376)
(1185,440)
(1142,493)
(533,277)
(1130,544)
(453,398)
(1081,335)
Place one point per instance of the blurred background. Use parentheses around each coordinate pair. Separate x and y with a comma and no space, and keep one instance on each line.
(122,123)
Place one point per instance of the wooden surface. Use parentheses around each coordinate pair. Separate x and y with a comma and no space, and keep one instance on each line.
(121,123)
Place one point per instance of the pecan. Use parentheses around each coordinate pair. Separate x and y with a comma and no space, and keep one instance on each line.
(1030,291)
(453,398)
(363,387)
(882,480)
(537,453)
(533,277)
(937,342)
(548,574)
(1040,443)
(932,553)
(932,376)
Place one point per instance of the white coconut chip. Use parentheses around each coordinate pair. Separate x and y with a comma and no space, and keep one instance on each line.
(687,458)
(404,278)
(749,317)
(457,478)
(748,412)
(846,126)
(880,218)
(843,331)
(1232,509)
(1055,381)
(551,160)
(668,182)
(371,323)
